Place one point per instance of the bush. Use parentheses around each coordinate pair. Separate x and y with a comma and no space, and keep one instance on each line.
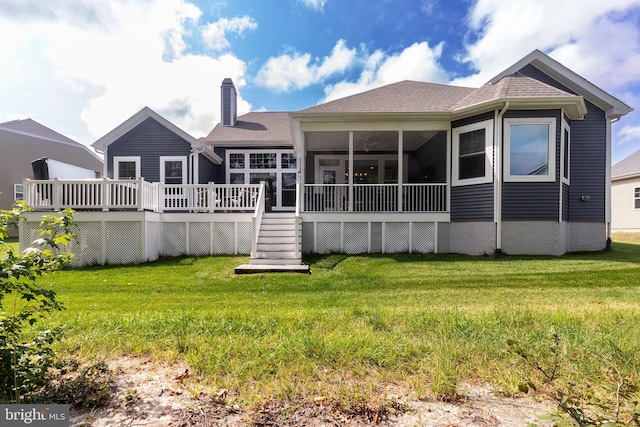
(24,358)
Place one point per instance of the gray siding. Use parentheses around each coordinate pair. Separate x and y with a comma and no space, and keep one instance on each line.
(206,170)
(533,201)
(588,167)
(149,140)
(472,203)
(588,158)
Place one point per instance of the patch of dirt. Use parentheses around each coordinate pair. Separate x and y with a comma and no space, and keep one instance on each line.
(152,394)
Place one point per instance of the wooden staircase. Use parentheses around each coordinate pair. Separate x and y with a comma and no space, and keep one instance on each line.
(276,246)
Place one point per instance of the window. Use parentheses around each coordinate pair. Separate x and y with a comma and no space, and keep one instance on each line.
(566,134)
(530,148)
(472,160)
(18,192)
(236,160)
(288,161)
(636,198)
(262,161)
(126,167)
(173,170)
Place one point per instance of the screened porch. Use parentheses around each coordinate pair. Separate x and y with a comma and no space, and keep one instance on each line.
(375,171)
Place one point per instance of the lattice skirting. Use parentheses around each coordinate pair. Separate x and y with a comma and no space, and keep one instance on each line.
(132,242)
(373,237)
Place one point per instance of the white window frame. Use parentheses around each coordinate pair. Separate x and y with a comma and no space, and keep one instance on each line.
(16,192)
(567,153)
(636,190)
(487,125)
(551,153)
(182,159)
(116,165)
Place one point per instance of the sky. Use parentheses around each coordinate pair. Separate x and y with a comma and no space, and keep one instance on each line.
(82,67)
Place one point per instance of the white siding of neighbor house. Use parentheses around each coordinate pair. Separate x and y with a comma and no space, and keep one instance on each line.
(623,215)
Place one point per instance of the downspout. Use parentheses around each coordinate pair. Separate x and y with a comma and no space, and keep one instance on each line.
(607,187)
(497,158)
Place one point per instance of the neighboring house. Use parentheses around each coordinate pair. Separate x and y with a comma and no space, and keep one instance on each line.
(625,194)
(24,141)
(520,165)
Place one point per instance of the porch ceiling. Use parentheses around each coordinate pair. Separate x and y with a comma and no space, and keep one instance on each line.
(366,141)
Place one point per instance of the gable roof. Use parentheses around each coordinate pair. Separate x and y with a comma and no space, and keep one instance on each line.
(30,127)
(610,104)
(627,168)
(101,144)
(254,128)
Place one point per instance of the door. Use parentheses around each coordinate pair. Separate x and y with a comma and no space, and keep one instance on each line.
(332,195)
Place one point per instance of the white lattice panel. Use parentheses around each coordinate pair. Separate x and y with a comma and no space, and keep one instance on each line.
(88,248)
(174,239)
(356,237)
(245,236)
(423,235)
(223,238)
(328,237)
(123,242)
(199,238)
(396,237)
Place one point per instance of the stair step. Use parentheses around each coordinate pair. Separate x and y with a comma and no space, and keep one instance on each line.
(274,261)
(278,248)
(279,239)
(270,221)
(277,233)
(288,215)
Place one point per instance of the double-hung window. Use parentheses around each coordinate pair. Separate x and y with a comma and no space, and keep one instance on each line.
(530,149)
(18,192)
(636,198)
(472,153)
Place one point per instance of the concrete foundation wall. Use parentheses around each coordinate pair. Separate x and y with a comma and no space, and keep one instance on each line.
(472,238)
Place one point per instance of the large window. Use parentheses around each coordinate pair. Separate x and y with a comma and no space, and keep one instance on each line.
(472,159)
(279,167)
(530,149)
(173,170)
(126,167)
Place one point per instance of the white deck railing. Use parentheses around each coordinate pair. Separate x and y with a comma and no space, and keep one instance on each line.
(375,198)
(138,194)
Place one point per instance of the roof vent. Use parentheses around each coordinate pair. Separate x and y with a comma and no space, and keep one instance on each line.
(228,100)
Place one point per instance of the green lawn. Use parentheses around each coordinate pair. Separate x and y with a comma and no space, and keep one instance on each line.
(425,321)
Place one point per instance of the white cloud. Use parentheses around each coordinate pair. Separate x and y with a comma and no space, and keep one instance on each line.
(417,62)
(59,72)
(597,39)
(314,4)
(297,71)
(215,34)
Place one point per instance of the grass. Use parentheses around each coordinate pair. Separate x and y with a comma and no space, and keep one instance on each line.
(428,322)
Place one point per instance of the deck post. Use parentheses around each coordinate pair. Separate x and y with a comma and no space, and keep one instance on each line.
(57,195)
(105,194)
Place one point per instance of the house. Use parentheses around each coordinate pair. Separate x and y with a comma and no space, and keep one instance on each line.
(519,165)
(23,142)
(625,194)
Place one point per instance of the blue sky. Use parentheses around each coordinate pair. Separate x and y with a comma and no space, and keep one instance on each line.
(82,67)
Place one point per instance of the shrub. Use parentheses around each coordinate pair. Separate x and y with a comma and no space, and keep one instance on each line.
(24,358)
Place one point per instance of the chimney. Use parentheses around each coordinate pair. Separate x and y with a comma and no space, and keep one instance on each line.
(228,101)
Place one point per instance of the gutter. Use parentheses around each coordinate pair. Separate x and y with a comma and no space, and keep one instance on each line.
(497,158)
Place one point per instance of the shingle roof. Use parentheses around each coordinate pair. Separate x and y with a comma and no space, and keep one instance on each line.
(628,166)
(31,127)
(514,86)
(403,97)
(256,126)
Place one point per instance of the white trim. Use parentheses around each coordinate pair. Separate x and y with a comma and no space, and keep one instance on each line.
(565,126)
(634,198)
(487,125)
(550,176)
(182,159)
(118,159)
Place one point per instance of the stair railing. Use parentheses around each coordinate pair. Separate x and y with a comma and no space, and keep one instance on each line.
(256,219)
